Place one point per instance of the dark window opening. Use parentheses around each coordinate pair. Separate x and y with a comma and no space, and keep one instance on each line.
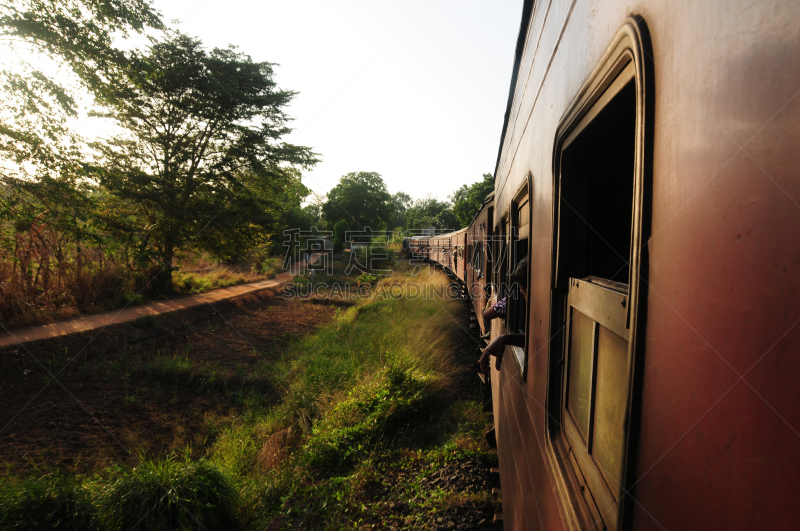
(597,192)
(518,303)
(501,265)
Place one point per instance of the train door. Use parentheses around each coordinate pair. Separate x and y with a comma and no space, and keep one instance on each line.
(599,216)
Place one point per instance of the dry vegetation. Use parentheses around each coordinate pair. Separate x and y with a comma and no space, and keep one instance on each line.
(40,284)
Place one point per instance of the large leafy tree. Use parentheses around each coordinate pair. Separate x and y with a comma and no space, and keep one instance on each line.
(44,42)
(360,198)
(401,202)
(200,146)
(265,206)
(468,199)
(429,212)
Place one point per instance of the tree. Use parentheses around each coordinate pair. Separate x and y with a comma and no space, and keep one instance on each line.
(312,212)
(468,200)
(201,142)
(39,37)
(339,234)
(401,202)
(265,206)
(360,198)
(430,212)
(459,194)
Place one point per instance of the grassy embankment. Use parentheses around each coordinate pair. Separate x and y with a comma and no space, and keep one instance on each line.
(365,409)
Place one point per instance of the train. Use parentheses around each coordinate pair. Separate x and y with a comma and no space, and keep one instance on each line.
(648,172)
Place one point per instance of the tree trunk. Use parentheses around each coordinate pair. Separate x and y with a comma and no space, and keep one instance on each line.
(163,281)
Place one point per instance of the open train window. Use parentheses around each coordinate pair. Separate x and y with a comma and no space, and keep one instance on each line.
(519,241)
(477,258)
(599,222)
(501,263)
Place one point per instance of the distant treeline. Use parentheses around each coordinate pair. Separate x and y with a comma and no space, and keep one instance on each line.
(362,200)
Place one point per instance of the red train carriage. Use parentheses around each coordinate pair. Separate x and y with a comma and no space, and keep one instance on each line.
(648,170)
(449,251)
(441,251)
(479,262)
(419,247)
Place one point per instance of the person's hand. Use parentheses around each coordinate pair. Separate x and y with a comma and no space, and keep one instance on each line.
(496,349)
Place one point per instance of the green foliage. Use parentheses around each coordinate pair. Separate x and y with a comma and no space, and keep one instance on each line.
(401,202)
(361,199)
(429,212)
(200,150)
(54,501)
(468,200)
(339,232)
(369,415)
(75,34)
(167,495)
(369,401)
(366,278)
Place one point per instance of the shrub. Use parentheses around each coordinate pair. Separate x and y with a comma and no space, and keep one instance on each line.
(168,494)
(367,417)
(53,501)
(366,278)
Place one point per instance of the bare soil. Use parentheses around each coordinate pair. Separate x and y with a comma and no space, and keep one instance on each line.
(146,387)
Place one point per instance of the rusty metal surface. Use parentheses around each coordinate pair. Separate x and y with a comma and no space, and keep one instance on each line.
(719,435)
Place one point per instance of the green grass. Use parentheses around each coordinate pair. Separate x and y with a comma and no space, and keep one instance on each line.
(53,501)
(170,494)
(353,417)
(368,394)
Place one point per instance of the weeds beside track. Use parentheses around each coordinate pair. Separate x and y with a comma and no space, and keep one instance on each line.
(354,421)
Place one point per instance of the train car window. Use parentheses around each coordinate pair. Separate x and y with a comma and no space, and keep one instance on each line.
(519,242)
(502,263)
(478,259)
(597,242)
(519,237)
(597,190)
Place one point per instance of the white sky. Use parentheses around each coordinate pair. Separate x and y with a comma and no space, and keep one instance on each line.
(414,89)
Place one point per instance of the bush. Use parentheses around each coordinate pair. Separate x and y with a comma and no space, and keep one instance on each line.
(367,417)
(53,501)
(167,495)
(366,278)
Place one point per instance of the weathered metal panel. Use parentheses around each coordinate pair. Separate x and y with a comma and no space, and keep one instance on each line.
(720,420)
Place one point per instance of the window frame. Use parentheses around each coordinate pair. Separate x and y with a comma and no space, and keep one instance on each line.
(630,47)
(521,201)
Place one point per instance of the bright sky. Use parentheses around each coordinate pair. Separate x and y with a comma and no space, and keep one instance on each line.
(412,89)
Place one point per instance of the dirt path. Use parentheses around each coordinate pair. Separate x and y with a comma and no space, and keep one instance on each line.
(124,315)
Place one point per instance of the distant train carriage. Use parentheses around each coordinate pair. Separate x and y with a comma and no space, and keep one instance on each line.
(648,172)
(479,258)
(418,246)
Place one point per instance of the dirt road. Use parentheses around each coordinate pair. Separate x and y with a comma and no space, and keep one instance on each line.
(124,315)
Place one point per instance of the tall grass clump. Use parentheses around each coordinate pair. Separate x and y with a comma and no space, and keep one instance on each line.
(368,417)
(54,502)
(171,494)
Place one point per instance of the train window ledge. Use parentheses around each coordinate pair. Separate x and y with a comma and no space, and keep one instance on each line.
(599,224)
